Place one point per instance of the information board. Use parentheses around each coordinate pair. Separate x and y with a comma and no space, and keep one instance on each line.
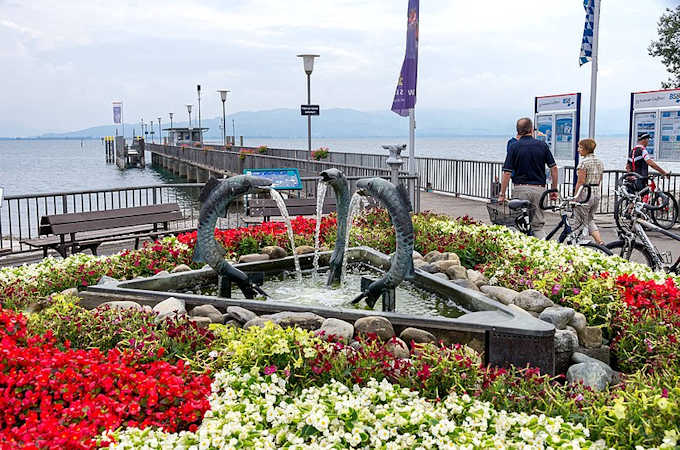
(557,119)
(656,113)
(281,178)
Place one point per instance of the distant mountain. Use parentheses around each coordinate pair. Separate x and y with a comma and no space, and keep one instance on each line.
(350,123)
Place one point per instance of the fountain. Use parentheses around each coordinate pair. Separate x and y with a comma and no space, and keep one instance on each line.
(411,298)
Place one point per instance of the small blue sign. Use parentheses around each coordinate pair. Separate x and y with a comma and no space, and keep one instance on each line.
(282,179)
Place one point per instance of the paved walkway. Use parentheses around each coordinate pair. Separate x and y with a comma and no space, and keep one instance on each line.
(457,207)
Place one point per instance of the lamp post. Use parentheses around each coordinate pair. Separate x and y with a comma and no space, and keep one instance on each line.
(233,130)
(223,96)
(198,88)
(308,61)
(160,132)
(152,132)
(189,111)
(171,114)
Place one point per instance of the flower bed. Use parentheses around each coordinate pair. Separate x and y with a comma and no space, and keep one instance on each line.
(452,399)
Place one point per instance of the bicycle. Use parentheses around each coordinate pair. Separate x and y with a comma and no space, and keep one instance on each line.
(632,219)
(569,235)
(664,217)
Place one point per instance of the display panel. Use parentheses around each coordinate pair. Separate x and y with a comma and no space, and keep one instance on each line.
(281,178)
(645,122)
(564,136)
(544,129)
(669,131)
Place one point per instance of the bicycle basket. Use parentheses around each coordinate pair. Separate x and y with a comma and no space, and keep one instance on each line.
(500,214)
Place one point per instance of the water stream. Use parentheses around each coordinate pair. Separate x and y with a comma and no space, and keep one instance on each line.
(354,209)
(320,197)
(284,213)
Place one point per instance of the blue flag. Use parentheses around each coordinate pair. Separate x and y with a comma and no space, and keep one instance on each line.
(405,95)
(587,43)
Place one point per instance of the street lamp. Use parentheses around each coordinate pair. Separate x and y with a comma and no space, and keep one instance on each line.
(171,114)
(160,132)
(223,96)
(308,61)
(189,111)
(198,88)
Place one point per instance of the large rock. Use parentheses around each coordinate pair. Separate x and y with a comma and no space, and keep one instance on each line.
(501,294)
(181,268)
(162,274)
(375,324)
(343,331)
(602,353)
(253,257)
(122,305)
(418,336)
(306,320)
(257,322)
(274,252)
(241,314)
(417,255)
(565,341)
(70,292)
(450,256)
(578,322)
(208,311)
(443,276)
(466,284)
(418,263)
(557,315)
(427,267)
(532,300)
(590,337)
(477,277)
(169,307)
(578,358)
(444,264)
(590,374)
(304,249)
(202,322)
(456,272)
(397,347)
(433,256)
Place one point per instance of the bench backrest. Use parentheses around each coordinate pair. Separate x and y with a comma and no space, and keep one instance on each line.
(112,218)
(296,207)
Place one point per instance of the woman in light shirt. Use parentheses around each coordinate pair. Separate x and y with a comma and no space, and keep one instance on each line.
(589,171)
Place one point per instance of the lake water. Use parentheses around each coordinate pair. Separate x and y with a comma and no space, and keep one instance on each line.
(34,166)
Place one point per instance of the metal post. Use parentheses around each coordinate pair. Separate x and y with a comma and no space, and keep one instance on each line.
(160,132)
(412,142)
(309,118)
(224,124)
(198,88)
(593,71)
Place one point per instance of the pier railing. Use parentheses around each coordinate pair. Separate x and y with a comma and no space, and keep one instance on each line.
(468,178)
(20,214)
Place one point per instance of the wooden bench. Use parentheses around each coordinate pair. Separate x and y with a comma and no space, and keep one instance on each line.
(267,208)
(88,230)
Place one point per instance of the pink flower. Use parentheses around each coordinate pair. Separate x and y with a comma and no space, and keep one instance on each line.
(556,289)
(269,370)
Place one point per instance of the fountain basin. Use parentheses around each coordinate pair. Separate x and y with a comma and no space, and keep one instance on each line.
(504,335)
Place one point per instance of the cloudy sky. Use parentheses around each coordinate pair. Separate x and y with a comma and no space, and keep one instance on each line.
(64,62)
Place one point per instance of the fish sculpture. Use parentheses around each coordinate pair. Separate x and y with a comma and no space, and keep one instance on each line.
(336,179)
(215,199)
(396,200)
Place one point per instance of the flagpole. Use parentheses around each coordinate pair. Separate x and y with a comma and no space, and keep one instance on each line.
(412,142)
(593,69)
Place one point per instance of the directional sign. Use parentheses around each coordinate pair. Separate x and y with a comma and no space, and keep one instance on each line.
(309,110)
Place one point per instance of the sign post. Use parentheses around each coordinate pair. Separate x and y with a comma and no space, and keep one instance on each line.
(558,123)
(309,110)
(656,113)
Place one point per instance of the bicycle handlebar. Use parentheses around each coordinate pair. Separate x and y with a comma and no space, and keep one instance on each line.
(568,199)
(665,199)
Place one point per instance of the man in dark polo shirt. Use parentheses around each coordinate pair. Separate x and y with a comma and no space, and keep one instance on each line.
(526,161)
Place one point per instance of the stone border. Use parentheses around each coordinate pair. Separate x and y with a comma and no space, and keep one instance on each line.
(507,336)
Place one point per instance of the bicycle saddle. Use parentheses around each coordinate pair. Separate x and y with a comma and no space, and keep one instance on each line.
(517,204)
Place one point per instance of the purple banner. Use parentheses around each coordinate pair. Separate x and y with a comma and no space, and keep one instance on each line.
(405,94)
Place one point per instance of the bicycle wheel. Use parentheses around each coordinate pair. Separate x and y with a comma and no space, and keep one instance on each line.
(622,213)
(665,217)
(599,248)
(638,253)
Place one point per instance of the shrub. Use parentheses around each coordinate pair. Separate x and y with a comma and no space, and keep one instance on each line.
(320,153)
(262,149)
